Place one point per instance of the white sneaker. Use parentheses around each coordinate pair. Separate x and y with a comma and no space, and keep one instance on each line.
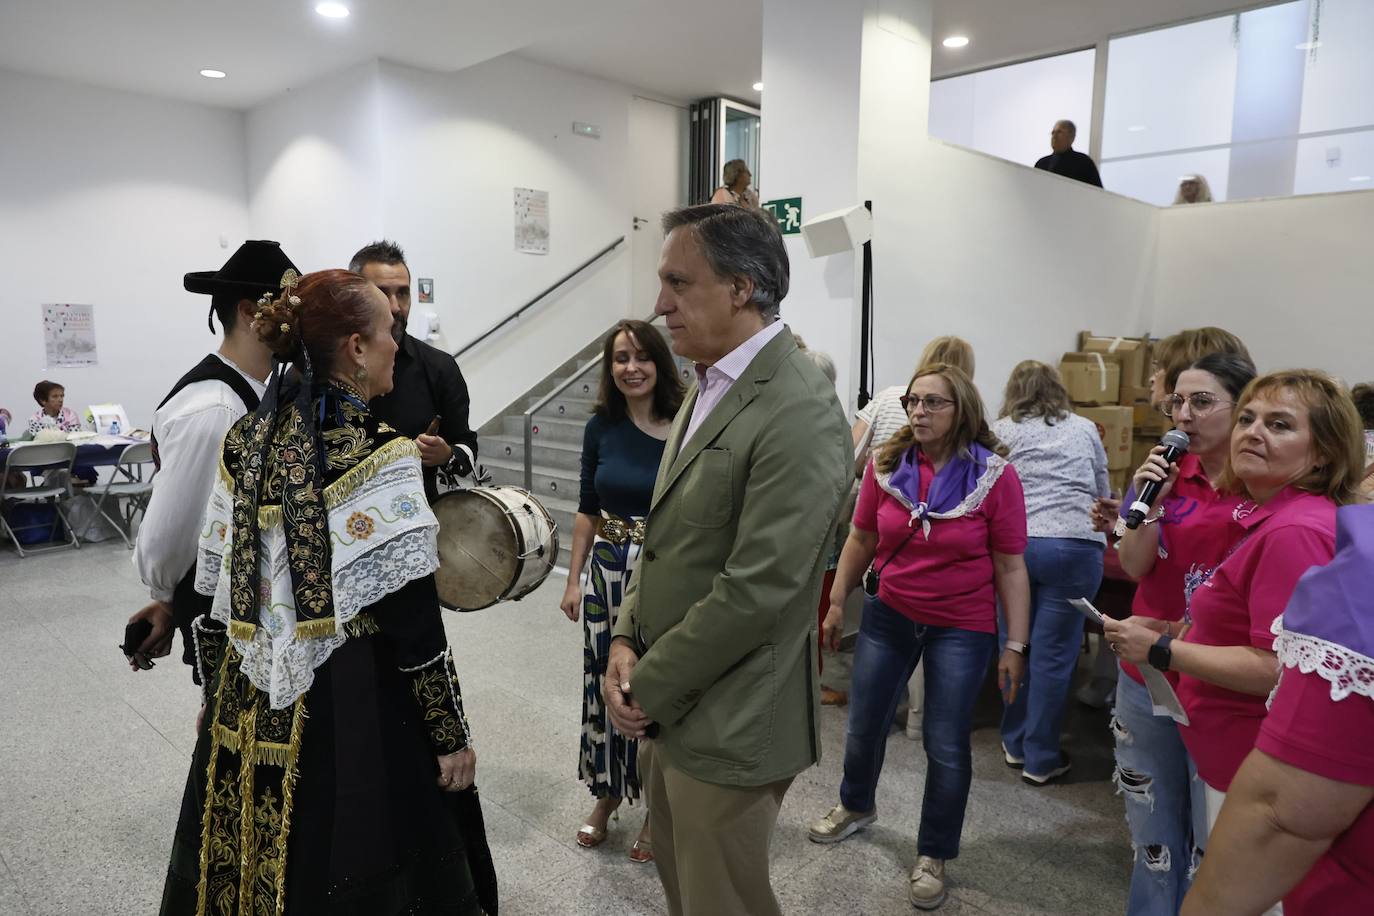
(1012,760)
(913,724)
(927,883)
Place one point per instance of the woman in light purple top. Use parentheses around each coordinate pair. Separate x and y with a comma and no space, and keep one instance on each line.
(1063,468)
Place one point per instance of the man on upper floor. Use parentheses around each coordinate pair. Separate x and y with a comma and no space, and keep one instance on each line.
(427,381)
(1067,161)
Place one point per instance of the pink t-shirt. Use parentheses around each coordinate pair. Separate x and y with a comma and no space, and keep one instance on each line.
(1306,729)
(945,580)
(1197,529)
(1236,606)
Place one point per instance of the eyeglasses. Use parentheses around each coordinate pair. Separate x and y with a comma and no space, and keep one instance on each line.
(932,403)
(1200,403)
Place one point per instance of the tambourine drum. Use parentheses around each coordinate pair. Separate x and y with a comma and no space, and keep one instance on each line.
(495,544)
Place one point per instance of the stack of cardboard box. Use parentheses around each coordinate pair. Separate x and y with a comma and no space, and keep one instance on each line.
(1108,379)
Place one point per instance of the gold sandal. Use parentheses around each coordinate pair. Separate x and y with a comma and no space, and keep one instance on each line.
(589,837)
(641,851)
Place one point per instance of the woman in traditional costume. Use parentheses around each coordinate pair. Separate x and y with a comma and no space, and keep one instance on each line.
(334,766)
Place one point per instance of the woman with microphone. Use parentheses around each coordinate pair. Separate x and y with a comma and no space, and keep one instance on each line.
(1296,453)
(1191,524)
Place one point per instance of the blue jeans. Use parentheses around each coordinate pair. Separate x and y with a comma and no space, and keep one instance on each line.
(1060,569)
(1165,805)
(956,661)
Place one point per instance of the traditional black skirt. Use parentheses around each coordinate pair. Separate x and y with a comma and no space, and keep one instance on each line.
(329,807)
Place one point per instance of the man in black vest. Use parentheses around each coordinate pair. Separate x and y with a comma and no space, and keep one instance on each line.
(426,382)
(1067,161)
(188,430)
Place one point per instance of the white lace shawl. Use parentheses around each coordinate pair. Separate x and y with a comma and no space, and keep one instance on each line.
(382,535)
(970,503)
(1347,671)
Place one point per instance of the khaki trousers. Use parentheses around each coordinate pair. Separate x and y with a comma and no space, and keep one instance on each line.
(711,842)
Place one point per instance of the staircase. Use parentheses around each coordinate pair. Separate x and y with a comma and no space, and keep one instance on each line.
(557,439)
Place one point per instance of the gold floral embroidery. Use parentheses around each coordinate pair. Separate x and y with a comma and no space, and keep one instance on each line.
(360,526)
(250,783)
(435,687)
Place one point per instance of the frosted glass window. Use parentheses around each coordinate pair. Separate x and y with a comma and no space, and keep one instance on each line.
(1008,111)
(1155,179)
(1170,89)
(1335,162)
(1265,103)
(1338,85)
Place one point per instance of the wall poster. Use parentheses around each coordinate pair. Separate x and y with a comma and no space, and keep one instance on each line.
(531,221)
(69,335)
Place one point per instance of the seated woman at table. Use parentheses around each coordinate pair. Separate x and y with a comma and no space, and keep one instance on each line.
(51,412)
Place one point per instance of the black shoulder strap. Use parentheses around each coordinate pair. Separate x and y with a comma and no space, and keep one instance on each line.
(211,369)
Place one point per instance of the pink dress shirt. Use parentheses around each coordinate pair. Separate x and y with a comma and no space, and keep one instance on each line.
(714,381)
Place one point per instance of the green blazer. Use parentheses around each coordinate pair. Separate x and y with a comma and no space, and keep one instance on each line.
(722,607)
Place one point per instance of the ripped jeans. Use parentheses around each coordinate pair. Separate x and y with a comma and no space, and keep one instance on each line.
(1165,806)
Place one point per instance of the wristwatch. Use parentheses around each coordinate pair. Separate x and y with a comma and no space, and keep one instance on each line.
(1019,648)
(1160,654)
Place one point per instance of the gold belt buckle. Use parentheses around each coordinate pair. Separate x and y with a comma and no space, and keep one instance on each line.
(637,531)
(614,530)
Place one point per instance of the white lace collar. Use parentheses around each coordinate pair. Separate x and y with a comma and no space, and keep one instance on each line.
(1349,673)
(382,535)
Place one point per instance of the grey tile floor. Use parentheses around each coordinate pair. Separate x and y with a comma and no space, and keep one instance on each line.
(93,760)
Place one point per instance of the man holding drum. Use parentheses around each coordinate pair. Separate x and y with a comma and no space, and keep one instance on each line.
(428,382)
(714,654)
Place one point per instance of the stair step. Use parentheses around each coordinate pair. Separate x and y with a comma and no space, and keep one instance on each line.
(562,456)
(568,406)
(554,483)
(550,428)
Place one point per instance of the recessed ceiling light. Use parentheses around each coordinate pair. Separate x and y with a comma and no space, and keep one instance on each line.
(1307,45)
(213,74)
(1136,128)
(1360,177)
(758,87)
(332,10)
(955,41)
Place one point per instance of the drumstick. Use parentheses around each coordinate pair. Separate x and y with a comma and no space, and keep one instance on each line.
(433,426)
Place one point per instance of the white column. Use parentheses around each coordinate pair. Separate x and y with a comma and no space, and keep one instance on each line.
(845,102)
(1268,103)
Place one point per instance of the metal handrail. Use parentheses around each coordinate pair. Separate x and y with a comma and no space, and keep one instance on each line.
(545,401)
(528,305)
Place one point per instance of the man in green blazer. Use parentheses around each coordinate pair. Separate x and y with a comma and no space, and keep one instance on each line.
(714,654)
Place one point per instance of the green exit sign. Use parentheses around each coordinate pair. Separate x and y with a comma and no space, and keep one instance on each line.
(788,212)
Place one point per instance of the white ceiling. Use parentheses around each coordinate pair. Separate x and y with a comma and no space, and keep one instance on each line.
(668,48)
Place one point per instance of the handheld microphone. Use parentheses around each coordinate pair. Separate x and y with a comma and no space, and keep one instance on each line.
(1175,443)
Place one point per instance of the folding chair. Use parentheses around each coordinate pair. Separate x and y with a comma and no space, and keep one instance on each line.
(128,483)
(58,456)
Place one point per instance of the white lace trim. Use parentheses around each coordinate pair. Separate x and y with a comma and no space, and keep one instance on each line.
(382,536)
(1347,671)
(970,503)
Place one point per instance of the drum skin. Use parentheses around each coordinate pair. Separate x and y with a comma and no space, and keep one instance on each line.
(495,544)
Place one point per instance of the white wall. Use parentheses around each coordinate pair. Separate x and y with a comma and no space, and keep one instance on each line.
(314,158)
(1292,277)
(1014,260)
(811,73)
(453,147)
(108,198)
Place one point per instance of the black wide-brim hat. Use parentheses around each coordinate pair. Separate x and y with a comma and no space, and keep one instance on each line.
(254,269)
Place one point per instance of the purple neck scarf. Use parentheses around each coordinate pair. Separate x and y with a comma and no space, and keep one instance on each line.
(954,482)
(1331,609)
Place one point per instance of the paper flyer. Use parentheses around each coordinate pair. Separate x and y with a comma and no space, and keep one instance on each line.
(1163,700)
